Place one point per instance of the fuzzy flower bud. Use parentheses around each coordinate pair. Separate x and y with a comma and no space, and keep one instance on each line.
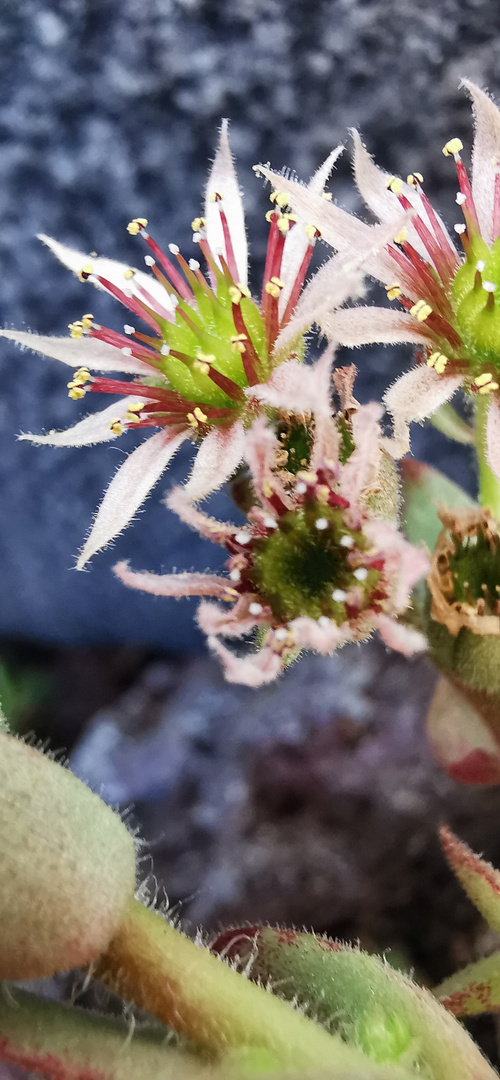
(67,866)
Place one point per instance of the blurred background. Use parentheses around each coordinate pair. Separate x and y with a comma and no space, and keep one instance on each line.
(316,800)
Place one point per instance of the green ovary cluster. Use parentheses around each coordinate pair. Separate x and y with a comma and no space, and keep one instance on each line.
(304,568)
(476,300)
(475,568)
(207,332)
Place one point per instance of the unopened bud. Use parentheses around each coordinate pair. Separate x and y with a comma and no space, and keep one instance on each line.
(67,866)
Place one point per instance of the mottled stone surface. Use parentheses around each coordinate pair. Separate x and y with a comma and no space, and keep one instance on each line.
(111,110)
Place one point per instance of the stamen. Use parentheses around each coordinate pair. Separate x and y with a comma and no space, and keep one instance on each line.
(361,573)
(395,184)
(338,596)
(452,147)
(438,361)
(116,426)
(414,179)
(421,310)
(255,609)
(393,291)
(321,524)
(134,227)
(346,541)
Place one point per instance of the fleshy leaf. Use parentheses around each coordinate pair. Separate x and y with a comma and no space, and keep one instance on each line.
(479,878)
(475,989)
(384,1011)
(66,1043)
(425,489)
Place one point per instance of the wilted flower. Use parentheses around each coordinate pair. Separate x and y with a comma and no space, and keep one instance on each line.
(207,344)
(451,311)
(312,567)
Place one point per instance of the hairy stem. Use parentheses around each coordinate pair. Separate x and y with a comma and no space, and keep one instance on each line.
(152,964)
(489,487)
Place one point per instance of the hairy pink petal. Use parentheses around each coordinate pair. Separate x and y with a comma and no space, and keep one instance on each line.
(366,325)
(86,352)
(463,744)
(129,488)
(95,428)
(217,531)
(493,437)
(324,638)
(223,179)
(372,185)
(111,270)
(405,564)
(336,281)
(217,459)
(257,669)
(361,469)
(301,388)
(186,584)
(403,639)
(213,619)
(414,396)
(297,240)
(341,230)
(485,157)
(261,447)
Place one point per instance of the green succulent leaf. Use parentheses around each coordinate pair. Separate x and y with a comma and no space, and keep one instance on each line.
(479,878)
(425,489)
(475,989)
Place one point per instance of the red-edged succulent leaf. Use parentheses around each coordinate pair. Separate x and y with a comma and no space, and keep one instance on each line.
(479,878)
(380,1010)
(475,989)
(463,743)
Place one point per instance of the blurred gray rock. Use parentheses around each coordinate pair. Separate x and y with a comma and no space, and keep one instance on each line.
(109,110)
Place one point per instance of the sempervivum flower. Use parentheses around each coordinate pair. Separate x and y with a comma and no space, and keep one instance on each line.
(312,567)
(204,346)
(450,301)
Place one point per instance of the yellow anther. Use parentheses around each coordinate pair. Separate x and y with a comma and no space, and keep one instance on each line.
(136,406)
(136,225)
(393,291)
(267,489)
(327,195)
(215,196)
(85,271)
(307,477)
(421,310)
(87,321)
(322,494)
(132,418)
(395,184)
(272,289)
(190,416)
(401,237)
(207,358)
(283,223)
(81,377)
(312,232)
(414,179)
(128,274)
(235,294)
(200,415)
(243,289)
(454,146)
(270,216)
(279,197)
(75,329)
(488,389)
(198,223)
(238,342)
(116,426)
(76,392)
(438,361)
(202,367)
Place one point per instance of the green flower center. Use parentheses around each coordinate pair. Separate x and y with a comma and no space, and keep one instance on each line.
(475,570)
(476,306)
(311,566)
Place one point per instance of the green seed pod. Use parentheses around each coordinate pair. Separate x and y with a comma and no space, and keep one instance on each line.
(67,866)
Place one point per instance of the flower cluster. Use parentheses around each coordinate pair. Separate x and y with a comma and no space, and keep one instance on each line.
(313,567)
(319,560)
